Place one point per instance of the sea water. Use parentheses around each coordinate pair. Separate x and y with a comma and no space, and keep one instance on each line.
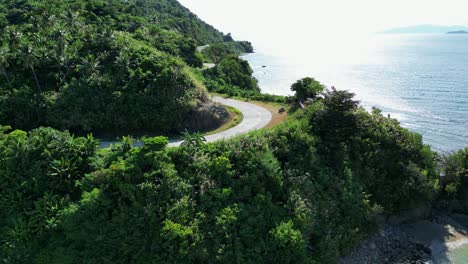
(422,80)
(459,256)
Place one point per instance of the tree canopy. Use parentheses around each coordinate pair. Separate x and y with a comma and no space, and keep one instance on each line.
(217,51)
(233,76)
(294,194)
(307,88)
(100,66)
(306,191)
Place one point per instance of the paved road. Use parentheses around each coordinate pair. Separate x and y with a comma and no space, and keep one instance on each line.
(255,117)
(208,65)
(201,48)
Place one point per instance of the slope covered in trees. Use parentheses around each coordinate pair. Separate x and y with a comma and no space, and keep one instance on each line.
(232,76)
(305,192)
(101,66)
(217,51)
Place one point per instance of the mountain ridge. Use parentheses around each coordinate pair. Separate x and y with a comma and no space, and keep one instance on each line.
(424,29)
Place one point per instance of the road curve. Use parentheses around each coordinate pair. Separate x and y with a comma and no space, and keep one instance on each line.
(255,117)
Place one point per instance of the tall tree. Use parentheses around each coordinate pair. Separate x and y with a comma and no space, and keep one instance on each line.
(4,64)
(307,88)
(29,62)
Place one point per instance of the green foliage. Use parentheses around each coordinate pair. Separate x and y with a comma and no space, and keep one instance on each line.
(397,169)
(264,97)
(307,88)
(230,75)
(110,67)
(40,174)
(216,52)
(303,192)
(195,140)
(336,122)
(288,245)
(154,144)
(454,195)
(171,15)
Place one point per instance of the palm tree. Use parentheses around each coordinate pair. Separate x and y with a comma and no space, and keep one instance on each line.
(72,20)
(196,139)
(29,62)
(3,64)
(90,66)
(60,35)
(60,39)
(123,63)
(15,38)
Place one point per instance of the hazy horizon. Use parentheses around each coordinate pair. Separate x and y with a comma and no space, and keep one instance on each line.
(263,22)
(399,74)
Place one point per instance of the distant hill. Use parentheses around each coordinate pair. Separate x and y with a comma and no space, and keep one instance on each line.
(458,32)
(425,29)
(171,15)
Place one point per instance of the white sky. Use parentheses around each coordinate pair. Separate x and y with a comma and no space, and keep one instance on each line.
(266,20)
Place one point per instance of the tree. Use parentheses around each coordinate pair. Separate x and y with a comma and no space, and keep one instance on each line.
(216,52)
(228,37)
(4,64)
(336,122)
(91,66)
(234,71)
(193,140)
(307,88)
(287,244)
(29,62)
(455,183)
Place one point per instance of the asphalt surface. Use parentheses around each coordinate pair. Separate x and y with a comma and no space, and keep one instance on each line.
(255,117)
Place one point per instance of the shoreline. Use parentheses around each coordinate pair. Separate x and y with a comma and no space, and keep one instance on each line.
(424,241)
(442,234)
(453,245)
(413,112)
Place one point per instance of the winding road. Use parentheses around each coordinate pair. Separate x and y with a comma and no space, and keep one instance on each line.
(255,117)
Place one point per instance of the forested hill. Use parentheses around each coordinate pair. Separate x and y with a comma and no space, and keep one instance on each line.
(101,65)
(170,14)
(125,14)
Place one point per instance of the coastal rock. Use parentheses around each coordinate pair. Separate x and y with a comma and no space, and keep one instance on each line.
(205,117)
(390,245)
(419,241)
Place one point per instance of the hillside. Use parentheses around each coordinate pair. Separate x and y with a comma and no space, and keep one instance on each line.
(305,192)
(171,15)
(108,67)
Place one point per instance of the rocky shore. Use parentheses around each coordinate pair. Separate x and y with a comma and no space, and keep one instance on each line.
(423,241)
(389,245)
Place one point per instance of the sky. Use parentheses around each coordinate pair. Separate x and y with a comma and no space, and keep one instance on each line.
(263,21)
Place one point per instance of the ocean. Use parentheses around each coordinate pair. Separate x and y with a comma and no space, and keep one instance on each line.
(422,80)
